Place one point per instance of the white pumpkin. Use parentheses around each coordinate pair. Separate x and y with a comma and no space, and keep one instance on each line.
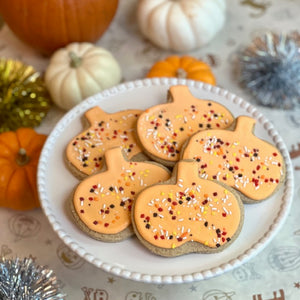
(181,25)
(79,71)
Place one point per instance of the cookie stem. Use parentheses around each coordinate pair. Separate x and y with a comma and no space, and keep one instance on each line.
(245,125)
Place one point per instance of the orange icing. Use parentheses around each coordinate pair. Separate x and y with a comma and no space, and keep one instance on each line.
(238,158)
(193,209)
(103,201)
(86,150)
(163,128)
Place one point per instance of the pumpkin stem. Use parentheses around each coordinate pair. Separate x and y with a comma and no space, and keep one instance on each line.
(75,60)
(181,73)
(22,157)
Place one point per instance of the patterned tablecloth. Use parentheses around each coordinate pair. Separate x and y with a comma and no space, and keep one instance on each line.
(275,272)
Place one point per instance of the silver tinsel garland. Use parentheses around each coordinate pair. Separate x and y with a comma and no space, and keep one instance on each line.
(270,69)
(25,280)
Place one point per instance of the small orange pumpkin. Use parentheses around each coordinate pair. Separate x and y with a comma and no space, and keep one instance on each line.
(186,67)
(19,155)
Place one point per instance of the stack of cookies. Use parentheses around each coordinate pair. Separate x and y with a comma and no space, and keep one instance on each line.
(176,175)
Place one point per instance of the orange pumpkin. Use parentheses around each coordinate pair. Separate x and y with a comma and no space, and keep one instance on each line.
(52,24)
(186,67)
(19,155)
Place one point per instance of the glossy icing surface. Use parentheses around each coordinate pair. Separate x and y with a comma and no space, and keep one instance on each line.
(193,209)
(86,150)
(162,129)
(103,201)
(238,158)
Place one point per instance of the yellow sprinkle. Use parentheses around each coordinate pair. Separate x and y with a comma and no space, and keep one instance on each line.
(215,153)
(178,213)
(225,191)
(178,116)
(173,246)
(102,195)
(126,178)
(120,121)
(152,117)
(170,195)
(227,175)
(206,243)
(213,213)
(216,200)
(205,212)
(234,154)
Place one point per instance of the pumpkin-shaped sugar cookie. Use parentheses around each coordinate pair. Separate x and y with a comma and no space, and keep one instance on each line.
(239,159)
(187,214)
(85,152)
(162,129)
(101,203)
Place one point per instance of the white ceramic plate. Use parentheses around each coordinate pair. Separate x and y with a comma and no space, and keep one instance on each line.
(129,259)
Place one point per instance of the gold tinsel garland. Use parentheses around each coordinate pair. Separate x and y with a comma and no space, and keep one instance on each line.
(24,99)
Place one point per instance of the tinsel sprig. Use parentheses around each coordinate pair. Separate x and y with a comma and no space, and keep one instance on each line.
(25,280)
(24,99)
(270,69)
